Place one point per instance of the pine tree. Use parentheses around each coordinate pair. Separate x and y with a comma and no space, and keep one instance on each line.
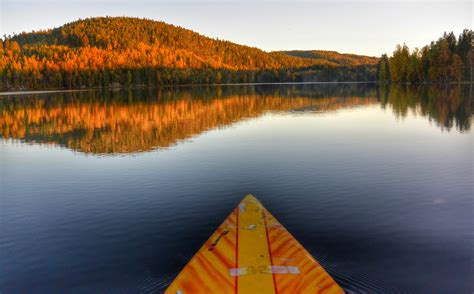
(383,70)
(456,68)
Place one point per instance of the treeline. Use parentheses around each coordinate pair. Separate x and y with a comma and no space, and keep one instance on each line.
(447,60)
(122,51)
(361,73)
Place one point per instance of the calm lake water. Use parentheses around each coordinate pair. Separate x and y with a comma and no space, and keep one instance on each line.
(114,192)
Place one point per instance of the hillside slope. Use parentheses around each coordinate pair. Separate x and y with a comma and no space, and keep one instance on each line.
(122,34)
(124,51)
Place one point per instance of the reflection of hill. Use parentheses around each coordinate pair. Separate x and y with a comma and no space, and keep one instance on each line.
(123,124)
(447,106)
(126,122)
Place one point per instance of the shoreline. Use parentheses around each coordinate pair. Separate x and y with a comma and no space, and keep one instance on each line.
(120,88)
(28,92)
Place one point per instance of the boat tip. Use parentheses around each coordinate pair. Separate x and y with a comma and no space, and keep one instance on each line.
(250,197)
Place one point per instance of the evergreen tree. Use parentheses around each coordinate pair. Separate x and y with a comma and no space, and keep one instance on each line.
(383,69)
(446,60)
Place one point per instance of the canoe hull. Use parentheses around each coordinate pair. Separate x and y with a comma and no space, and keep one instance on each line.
(251,252)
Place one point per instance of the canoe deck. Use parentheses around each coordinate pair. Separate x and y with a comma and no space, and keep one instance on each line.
(251,252)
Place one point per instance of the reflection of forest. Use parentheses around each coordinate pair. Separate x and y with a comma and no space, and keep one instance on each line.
(123,122)
(448,107)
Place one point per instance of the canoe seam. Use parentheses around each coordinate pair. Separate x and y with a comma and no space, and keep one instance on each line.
(236,286)
(269,250)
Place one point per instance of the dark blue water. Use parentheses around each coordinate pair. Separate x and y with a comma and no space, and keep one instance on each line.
(114,192)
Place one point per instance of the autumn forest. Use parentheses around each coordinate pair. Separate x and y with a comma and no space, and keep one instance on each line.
(125,52)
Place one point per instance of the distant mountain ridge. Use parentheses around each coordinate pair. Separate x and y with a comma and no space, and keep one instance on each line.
(105,51)
(337,58)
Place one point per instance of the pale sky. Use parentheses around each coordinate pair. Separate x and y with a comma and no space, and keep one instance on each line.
(360,27)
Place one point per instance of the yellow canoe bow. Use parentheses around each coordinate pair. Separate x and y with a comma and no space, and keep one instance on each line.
(251,252)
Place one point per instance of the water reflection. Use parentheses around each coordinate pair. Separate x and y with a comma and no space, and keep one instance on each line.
(134,121)
(448,107)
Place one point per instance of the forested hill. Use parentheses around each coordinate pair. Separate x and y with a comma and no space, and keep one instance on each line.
(192,49)
(334,57)
(123,51)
